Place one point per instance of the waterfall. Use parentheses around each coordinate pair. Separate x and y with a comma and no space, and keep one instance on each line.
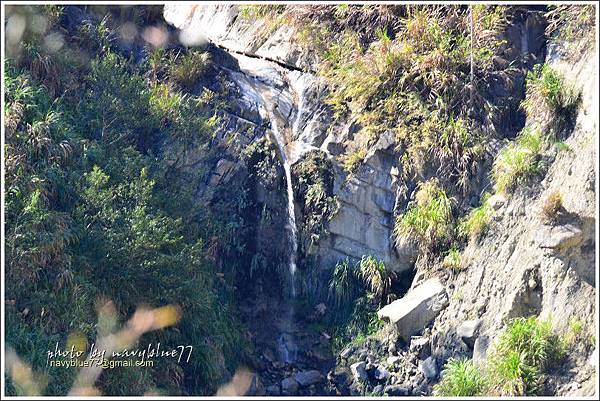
(280,97)
(280,94)
(285,95)
(291,218)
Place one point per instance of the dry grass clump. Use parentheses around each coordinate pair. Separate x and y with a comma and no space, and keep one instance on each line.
(552,207)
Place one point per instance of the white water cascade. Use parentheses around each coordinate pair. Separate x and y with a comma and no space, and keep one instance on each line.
(291,224)
(280,97)
(280,94)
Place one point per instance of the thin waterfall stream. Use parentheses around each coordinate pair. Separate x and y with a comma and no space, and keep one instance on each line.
(280,97)
(291,226)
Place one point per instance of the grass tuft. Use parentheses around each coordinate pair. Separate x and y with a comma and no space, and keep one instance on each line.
(452,260)
(524,350)
(552,207)
(550,99)
(353,160)
(474,225)
(460,379)
(518,161)
(429,219)
(376,277)
(187,69)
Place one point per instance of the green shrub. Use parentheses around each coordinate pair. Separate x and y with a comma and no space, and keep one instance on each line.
(187,69)
(562,146)
(571,22)
(356,324)
(476,222)
(429,219)
(314,194)
(376,277)
(550,98)
(260,11)
(421,70)
(460,379)
(574,332)
(93,212)
(524,350)
(353,160)
(343,284)
(518,161)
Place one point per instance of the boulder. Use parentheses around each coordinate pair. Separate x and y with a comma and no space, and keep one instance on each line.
(289,386)
(307,378)
(420,346)
(381,373)
(395,390)
(410,314)
(559,237)
(359,371)
(429,368)
(480,348)
(468,331)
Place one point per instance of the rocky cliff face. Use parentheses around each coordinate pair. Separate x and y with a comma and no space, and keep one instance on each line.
(364,221)
(522,266)
(525,266)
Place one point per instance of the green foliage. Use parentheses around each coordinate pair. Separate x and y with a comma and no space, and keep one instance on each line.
(460,379)
(376,277)
(314,193)
(574,332)
(429,219)
(95,37)
(422,70)
(562,146)
(358,325)
(269,16)
(524,350)
(357,291)
(186,69)
(571,22)
(93,213)
(353,160)
(452,259)
(343,285)
(113,99)
(549,97)
(262,158)
(518,161)
(474,225)
(260,11)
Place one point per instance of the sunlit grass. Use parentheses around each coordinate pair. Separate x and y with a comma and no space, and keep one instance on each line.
(429,218)
(460,379)
(523,351)
(518,161)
